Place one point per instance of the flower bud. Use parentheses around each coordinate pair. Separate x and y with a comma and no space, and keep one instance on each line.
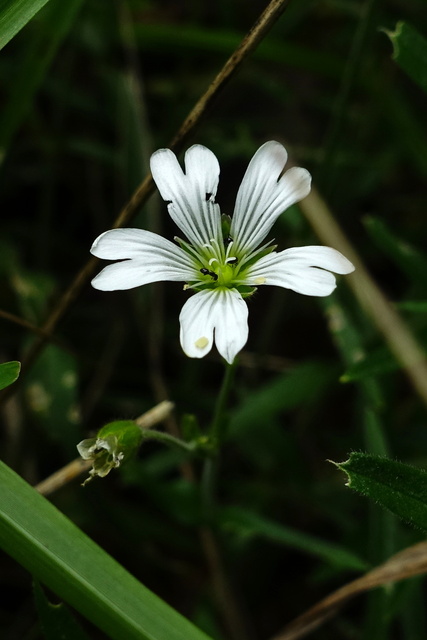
(114,443)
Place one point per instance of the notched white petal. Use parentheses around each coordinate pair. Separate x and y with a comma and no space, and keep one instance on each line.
(266,191)
(220,315)
(190,195)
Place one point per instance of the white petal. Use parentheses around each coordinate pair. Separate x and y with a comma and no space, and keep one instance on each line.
(146,257)
(190,195)
(305,270)
(264,194)
(219,313)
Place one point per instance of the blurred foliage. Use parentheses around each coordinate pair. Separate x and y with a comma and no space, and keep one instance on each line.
(88,91)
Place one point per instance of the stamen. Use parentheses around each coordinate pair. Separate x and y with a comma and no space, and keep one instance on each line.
(230,243)
(201,343)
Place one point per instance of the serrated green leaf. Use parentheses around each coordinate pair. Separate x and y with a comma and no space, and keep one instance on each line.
(410,52)
(56,620)
(9,372)
(399,487)
(240,520)
(63,558)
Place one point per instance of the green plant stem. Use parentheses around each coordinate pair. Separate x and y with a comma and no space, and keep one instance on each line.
(236,623)
(218,426)
(161,436)
(217,434)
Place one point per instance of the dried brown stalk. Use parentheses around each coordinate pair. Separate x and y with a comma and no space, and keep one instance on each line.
(405,564)
(398,336)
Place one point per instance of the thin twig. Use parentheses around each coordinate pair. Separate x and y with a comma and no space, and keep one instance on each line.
(405,564)
(11,317)
(396,333)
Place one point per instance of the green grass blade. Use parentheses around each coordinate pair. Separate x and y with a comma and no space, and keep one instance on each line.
(61,556)
(9,372)
(164,37)
(39,54)
(253,524)
(14,14)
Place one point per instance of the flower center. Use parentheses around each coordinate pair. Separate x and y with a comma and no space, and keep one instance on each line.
(222,274)
(220,266)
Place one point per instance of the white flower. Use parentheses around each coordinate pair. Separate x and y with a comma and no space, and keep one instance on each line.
(222,259)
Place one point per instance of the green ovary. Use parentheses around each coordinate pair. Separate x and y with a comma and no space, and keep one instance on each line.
(226,274)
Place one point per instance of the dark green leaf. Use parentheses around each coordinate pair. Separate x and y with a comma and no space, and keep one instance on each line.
(399,487)
(56,619)
(378,362)
(241,521)
(9,372)
(36,60)
(52,396)
(410,52)
(410,260)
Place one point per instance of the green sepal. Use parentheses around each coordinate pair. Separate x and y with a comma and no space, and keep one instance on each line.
(196,286)
(399,487)
(188,248)
(225,225)
(129,435)
(115,443)
(264,251)
(245,290)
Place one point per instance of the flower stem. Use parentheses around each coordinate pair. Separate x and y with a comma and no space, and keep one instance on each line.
(219,423)
(161,436)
